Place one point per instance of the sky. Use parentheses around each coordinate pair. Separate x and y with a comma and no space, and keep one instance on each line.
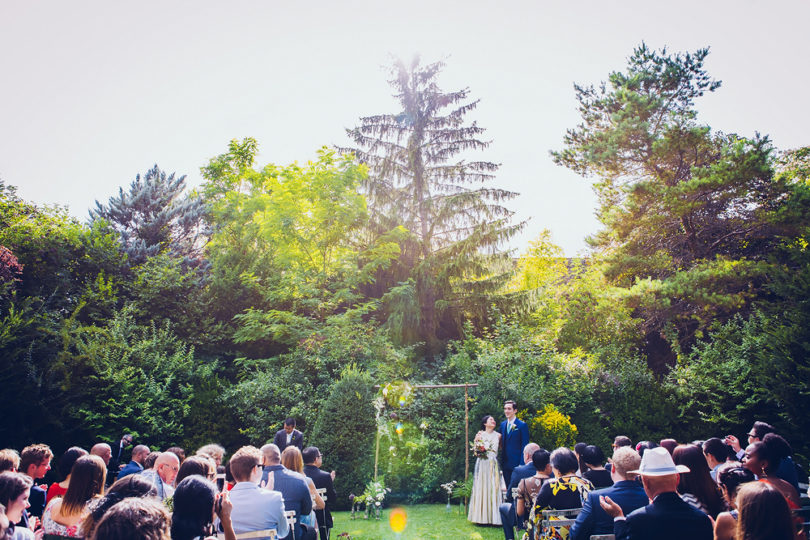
(94,92)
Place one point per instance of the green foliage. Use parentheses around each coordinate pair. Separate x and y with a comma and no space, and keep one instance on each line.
(344,432)
(551,429)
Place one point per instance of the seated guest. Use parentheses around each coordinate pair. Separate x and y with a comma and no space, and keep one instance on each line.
(786,468)
(214,451)
(66,462)
(14,492)
(35,462)
(643,446)
(507,509)
(578,449)
(254,508)
(135,465)
(133,485)
(618,442)
(716,453)
(63,516)
(761,458)
(528,488)
(313,460)
(763,514)
(669,444)
(730,477)
(134,519)
(696,486)
(292,460)
(595,471)
(292,486)
(565,491)
(625,491)
(201,465)
(102,450)
(163,474)
(195,502)
(9,460)
(668,517)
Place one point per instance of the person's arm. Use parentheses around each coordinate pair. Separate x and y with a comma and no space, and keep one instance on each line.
(331,494)
(223,506)
(582,527)
(520,506)
(306,502)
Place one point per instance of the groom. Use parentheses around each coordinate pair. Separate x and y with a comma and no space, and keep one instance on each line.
(514,437)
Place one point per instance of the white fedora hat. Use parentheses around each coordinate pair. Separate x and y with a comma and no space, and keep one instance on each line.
(658,462)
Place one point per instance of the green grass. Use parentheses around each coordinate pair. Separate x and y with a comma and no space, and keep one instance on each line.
(425,521)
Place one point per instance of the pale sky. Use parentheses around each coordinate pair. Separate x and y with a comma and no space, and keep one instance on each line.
(94,92)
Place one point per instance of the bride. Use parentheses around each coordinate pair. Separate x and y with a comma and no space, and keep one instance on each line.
(486,491)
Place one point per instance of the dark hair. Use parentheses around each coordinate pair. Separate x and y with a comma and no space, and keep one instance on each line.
(310,454)
(484,421)
(179,452)
(195,465)
(540,459)
(193,508)
(760,429)
(134,519)
(732,476)
(564,460)
(34,455)
(12,485)
(67,459)
(87,479)
(622,440)
(763,513)
(510,402)
(645,445)
(698,481)
(578,449)
(669,444)
(593,455)
(716,448)
(133,485)
(149,460)
(290,421)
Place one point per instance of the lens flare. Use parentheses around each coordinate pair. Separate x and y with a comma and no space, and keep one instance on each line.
(398,519)
(400,428)
(402,402)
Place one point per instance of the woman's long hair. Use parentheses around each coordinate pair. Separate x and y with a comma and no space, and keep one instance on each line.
(698,481)
(68,459)
(201,465)
(193,508)
(87,477)
(291,458)
(763,513)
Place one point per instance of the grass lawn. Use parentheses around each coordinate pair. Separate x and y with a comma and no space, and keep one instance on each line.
(424,521)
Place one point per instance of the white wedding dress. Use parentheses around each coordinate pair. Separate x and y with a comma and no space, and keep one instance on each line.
(486,491)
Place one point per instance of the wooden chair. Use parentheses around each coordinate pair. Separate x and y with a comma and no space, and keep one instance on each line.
(559,518)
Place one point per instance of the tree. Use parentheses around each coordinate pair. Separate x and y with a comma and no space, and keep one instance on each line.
(154,217)
(451,266)
(690,216)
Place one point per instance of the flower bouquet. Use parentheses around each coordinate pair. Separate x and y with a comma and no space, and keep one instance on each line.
(480,449)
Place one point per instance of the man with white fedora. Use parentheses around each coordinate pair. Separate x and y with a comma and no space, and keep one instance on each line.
(667,516)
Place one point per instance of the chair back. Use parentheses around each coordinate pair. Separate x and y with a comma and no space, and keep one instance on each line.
(270,534)
(557,519)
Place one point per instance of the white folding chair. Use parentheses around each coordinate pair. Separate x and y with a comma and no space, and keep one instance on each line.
(559,518)
(270,534)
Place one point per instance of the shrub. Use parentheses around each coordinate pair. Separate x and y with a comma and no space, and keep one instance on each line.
(551,429)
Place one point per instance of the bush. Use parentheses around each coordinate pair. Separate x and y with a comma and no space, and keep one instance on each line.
(551,429)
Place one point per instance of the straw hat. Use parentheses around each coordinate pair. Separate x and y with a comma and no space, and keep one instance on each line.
(658,462)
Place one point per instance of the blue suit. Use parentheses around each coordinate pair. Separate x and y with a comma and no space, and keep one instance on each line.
(668,517)
(507,509)
(628,494)
(133,467)
(513,443)
(293,487)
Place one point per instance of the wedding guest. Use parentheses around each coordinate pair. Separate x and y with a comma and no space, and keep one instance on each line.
(201,465)
(528,488)
(9,460)
(254,508)
(292,460)
(133,485)
(163,474)
(14,492)
(35,462)
(565,491)
(214,451)
(65,465)
(149,460)
(730,477)
(595,471)
(179,452)
(63,516)
(313,461)
(763,514)
(135,465)
(196,501)
(696,486)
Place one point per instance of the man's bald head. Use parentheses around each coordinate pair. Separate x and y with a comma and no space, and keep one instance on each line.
(139,453)
(271,454)
(103,451)
(529,450)
(166,465)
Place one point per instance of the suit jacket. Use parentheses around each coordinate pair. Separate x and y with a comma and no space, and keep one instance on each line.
(280,439)
(628,494)
(668,517)
(133,467)
(524,471)
(323,479)
(293,488)
(513,443)
(37,500)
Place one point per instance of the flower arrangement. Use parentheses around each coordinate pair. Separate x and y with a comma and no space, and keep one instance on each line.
(481,448)
(373,498)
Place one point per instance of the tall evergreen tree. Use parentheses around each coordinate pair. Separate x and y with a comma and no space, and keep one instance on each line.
(155,216)
(452,264)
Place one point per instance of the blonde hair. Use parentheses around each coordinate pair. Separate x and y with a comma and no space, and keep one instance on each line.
(292,459)
(625,459)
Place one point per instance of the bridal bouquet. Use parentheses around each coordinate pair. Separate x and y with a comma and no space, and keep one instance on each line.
(480,449)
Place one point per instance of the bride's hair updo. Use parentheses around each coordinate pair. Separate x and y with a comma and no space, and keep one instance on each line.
(484,421)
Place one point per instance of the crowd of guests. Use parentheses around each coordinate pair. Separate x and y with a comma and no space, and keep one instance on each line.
(703,490)
(278,490)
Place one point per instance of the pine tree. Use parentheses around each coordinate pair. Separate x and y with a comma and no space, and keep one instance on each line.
(452,264)
(155,216)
